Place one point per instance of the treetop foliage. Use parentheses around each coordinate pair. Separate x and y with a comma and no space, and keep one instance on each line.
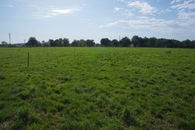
(135,41)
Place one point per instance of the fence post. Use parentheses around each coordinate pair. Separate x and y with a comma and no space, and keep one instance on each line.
(28,56)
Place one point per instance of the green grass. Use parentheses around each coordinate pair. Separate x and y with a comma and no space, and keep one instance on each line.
(97,88)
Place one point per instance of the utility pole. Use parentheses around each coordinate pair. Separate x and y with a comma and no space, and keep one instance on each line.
(10,38)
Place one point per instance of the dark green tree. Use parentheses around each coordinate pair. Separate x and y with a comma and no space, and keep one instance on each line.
(170,43)
(193,44)
(135,41)
(177,43)
(145,41)
(186,43)
(162,42)
(4,44)
(75,43)
(82,43)
(138,41)
(105,42)
(60,42)
(56,42)
(115,43)
(66,42)
(125,42)
(32,42)
(45,44)
(151,42)
(51,42)
(90,43)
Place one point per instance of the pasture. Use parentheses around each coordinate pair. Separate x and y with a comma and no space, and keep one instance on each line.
(97,88)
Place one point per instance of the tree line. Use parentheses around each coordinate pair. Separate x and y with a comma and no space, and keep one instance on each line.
(135,41)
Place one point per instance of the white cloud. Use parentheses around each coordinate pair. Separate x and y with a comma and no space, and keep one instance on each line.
(121,0)
(109,24)
(186,11)
(149,24)
(187,15)
(148,19)
(116,9)
(175,1)
(123,12)
(64,11)
(143,7)
(186,5)
(47,13)
(128,13)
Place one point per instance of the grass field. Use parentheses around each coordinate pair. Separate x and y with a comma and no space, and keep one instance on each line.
(97,88)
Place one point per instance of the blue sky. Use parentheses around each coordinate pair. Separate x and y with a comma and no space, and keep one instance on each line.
(96,19)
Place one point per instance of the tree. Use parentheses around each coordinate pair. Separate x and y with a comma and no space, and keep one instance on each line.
(66,42)
(151,42)
(45,44)
(145,41)
(32,42)
(56,42)
(90,43)
(162,42)
(60,42)
(125,42)
(114,43)
(51,42)
(4,44)
(186,43)
(135,41)
(193,44)
(105,42)
(75,43)
(82,43)
(177,43)
(138,41)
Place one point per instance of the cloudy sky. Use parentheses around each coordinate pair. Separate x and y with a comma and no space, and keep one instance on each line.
(96,19)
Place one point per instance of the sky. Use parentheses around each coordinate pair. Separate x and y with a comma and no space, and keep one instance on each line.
(96,19)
